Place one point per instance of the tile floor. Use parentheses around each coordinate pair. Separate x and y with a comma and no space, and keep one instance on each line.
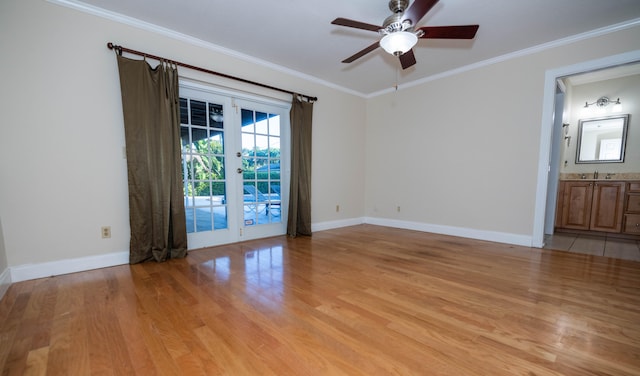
(594,245)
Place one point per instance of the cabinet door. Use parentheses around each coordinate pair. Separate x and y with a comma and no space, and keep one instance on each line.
(633,203)
(632,224)
(608,203)
(576,208)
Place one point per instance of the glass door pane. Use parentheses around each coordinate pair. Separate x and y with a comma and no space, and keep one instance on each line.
(262,180)
(261,167)
(204,138)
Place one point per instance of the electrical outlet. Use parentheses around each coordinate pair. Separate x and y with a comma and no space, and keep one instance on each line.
(106,232)
(398,208)
(337,208)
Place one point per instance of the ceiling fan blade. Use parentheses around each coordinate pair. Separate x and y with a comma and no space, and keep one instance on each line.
(356,24)
(407,59)
(361,53)
(417,10)
(449,32)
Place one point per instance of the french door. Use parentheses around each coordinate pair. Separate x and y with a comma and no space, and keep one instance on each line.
(234,166)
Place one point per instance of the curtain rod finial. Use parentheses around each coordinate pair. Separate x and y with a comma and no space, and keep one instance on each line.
(117,48)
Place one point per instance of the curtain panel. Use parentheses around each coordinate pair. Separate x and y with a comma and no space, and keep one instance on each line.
(150,104)
(299,222)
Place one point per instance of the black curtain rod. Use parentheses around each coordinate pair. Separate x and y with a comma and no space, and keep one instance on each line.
(120,50)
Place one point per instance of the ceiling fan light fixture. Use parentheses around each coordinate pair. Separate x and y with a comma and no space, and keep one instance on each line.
(399,42)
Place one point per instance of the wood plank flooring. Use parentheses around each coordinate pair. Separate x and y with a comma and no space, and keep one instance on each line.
(362,300)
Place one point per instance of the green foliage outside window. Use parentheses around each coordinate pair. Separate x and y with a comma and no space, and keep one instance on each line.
(205,168)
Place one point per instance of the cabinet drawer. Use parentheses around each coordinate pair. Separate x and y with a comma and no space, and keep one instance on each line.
(634,187)
(633,203)
(632,224)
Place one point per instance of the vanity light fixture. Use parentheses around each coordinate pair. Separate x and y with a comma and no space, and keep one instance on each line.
(603,102)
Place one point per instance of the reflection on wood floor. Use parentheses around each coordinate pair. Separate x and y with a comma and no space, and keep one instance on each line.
(362,300)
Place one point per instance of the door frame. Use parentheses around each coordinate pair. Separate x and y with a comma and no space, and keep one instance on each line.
(546,138)
(277,228)
(232,163)
(555,160)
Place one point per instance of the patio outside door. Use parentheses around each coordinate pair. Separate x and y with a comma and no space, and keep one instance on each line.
(233,175)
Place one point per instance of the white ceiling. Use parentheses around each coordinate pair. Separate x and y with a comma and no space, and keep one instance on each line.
(298,34)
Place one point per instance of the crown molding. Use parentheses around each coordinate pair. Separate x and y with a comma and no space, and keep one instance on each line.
(143,25)
(134,22)
(513,55)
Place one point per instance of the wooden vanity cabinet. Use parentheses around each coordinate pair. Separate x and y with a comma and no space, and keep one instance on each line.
(576,205)
(592,205)
(632,210)
(607,207)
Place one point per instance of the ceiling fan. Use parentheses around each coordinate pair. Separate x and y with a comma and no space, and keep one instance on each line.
(399,34)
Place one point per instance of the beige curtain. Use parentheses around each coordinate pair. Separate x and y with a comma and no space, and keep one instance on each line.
(150,105)
(299,222)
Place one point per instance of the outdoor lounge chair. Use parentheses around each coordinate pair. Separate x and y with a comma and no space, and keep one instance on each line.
(255,196)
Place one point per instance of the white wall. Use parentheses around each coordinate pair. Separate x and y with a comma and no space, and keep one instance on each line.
(466,147)
(61,136)
(628,90)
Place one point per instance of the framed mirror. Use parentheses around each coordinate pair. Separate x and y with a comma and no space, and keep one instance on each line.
(602,140)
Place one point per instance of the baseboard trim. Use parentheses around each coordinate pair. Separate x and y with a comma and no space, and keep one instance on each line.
(322,226)
(493,236)
(5,282)
(52,268)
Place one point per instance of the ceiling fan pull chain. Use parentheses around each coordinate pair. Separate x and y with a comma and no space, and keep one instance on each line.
(397,75)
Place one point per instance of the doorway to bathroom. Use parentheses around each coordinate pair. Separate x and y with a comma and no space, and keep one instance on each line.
(552,137)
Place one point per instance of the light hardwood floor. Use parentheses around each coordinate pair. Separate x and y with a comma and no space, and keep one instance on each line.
(362,300)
